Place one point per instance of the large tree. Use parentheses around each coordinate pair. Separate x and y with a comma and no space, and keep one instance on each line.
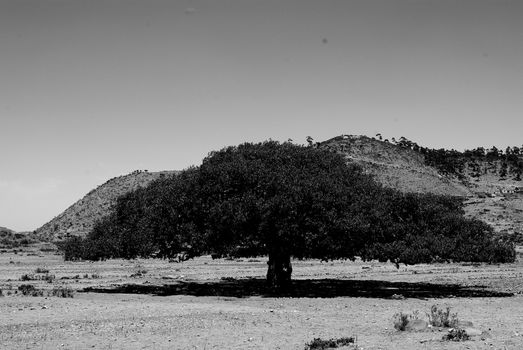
(282,200)
(285,200)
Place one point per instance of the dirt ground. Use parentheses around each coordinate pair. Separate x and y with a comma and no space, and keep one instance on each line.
(222,304)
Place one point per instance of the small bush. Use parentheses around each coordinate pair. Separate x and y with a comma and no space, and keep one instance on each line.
(321,344)
(401,321)
(41,270)
(456,334)
(30,290)
(442,318)
(62,292)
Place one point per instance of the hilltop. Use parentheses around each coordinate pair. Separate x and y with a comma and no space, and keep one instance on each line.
(489,179)
(79,218)
(394,166)
(6,231)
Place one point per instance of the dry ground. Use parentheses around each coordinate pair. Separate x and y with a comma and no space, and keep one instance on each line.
(222,304)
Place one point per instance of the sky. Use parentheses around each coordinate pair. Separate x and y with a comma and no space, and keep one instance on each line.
(90,90)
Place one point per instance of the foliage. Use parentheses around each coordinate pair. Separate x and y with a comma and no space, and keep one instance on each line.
(425,228)
(30,290)
(285,200)
(72,248)
(442,317)
(321,344)
(452,162)
(10,239)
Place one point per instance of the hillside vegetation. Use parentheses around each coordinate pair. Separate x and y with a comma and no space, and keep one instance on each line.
(394,166)
(11,239)
(79,218)
(490,179)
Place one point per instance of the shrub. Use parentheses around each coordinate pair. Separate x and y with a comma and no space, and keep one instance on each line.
(401,321)
(48,278)
(442,318)
(41,270)
(30,290)
(62,292)
(321,344)
(27,277)
(456,334)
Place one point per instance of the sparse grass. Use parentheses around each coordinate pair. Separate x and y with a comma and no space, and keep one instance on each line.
(27,277)
(321,344)
(456,334)
(48,278)
(30,277)
(62,292)
(139,271)
(41,270)
(401,320)
(58,291)
(442,317)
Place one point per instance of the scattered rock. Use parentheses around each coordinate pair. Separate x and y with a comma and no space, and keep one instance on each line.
(171,277)
(397,297)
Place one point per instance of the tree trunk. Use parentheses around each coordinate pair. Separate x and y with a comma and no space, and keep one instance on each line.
(279,271)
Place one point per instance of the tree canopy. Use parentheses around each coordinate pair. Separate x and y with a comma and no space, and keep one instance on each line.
(285,200)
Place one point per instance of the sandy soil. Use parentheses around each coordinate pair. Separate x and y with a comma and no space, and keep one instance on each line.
(222,304)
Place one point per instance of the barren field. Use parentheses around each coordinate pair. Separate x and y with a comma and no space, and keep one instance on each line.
(223,304)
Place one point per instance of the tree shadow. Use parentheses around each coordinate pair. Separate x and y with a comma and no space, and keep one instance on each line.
(310,288)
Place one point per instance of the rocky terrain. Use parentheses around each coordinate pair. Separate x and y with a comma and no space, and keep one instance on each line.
(208,303)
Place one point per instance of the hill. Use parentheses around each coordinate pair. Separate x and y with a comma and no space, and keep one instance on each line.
(394,166)
(10,239)
(6,231)
(80,217)
(489,179)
